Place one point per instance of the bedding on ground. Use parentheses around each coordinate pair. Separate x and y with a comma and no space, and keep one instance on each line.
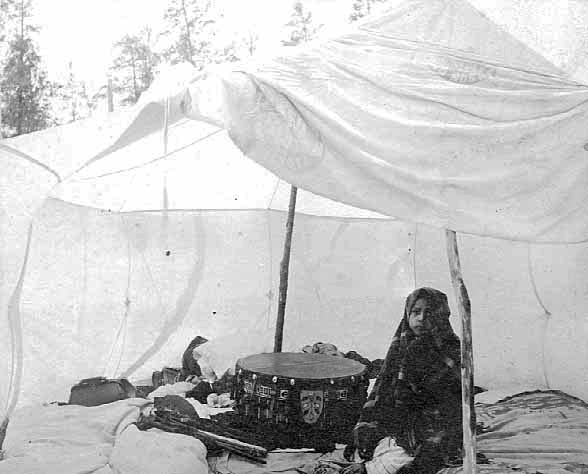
(528,433)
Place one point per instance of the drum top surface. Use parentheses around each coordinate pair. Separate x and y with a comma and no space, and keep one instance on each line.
(300,365)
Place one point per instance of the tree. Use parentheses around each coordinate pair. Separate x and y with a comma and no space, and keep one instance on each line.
(192,30)
(24,89)
(301,26)
(249,41)
(69,100)
(5,7)
(134,67)
(362,8)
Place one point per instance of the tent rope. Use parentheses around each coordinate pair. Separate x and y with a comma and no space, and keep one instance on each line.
(183,302)
(124,329)
(534,284)
(125,316)
(124,323)
(156,287)
(271,201)
(547,315)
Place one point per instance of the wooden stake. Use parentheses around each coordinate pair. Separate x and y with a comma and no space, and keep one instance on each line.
(284,266)
(467,357)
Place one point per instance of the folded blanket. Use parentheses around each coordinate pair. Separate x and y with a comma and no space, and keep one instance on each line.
(98,440)
(157,452)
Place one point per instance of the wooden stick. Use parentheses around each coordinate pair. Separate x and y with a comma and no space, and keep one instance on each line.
(284,266)
(3,428)
(247,450)
(467,357)
(109,96)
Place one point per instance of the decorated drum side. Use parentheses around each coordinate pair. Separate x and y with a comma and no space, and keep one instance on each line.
(301,392)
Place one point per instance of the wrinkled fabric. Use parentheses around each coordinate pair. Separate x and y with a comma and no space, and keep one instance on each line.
(388,458)
(430,113)
(323,348)
(100,440)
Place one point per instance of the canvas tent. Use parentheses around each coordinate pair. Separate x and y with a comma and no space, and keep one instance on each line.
(432,115)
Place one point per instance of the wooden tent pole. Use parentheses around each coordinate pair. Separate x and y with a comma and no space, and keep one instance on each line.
(284,266)
(3,428)
(109,95)
(467,358)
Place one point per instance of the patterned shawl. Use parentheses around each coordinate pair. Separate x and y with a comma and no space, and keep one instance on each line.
(443,339)
(417,395)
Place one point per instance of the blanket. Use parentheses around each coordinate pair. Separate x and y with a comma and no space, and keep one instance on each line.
(96,440)
(533,432)
(546,431)
(541,432)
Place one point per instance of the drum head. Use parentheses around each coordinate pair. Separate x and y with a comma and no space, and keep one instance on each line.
(300,365)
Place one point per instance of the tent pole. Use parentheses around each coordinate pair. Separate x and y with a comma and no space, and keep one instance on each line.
(109,96)
(284,266)
(467,359)
(3,428)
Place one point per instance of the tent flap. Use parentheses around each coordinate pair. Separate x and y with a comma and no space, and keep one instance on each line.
(417,131)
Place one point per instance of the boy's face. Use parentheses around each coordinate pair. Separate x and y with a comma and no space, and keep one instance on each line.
(419,318)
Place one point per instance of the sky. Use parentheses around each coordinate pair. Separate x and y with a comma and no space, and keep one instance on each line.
(83,31)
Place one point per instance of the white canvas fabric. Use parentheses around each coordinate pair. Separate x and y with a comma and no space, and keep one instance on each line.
(385,120)
(123,238)
(101,439)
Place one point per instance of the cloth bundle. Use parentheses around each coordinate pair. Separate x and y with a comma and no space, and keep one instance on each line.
(323,348)
(388,458)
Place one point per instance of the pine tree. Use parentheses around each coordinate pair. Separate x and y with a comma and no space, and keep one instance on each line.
(250,40)
(24,89)
(70,101)
(359,9)
(192,29)
(362,8)
(134,68)
(189,23)
(301,26)
(4,18)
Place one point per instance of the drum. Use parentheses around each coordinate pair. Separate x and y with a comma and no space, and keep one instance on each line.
(308,397)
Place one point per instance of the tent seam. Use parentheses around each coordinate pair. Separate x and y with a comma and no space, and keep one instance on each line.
(30,159)
(16,331)
(150,162)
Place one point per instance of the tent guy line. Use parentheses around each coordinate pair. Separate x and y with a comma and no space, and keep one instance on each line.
(143,165)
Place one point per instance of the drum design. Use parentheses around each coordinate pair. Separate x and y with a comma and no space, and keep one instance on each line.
(307,396)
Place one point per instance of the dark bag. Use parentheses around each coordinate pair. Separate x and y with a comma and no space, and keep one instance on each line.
(166,376)
(100,390)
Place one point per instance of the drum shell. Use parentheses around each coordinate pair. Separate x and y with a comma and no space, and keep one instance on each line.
(279,403)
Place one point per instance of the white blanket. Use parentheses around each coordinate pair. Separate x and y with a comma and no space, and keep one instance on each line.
(100,440)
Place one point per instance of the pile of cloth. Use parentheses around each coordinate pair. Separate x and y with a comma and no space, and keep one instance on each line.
(372,367)
(73,439)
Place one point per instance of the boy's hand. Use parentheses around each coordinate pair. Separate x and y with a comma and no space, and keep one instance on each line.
(369,404)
